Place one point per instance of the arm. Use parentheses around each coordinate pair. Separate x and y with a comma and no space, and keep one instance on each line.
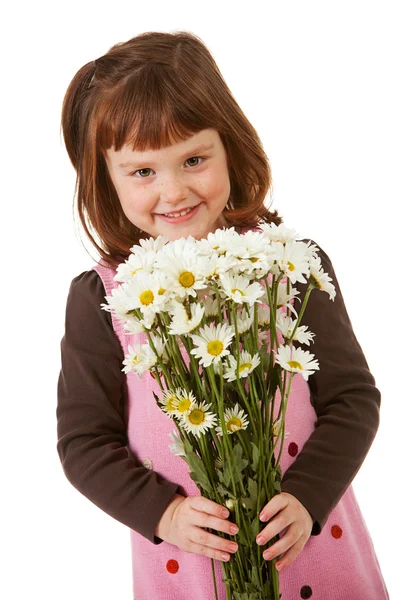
(92,439)
(346,403)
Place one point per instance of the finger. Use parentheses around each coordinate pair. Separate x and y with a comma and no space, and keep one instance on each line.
(202,538)
(210,552)
(211,522)
(274,527)
(290,556)
(205,505)
(286,542)
(276,504)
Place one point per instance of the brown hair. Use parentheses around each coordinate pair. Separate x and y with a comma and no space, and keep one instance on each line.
(152,91)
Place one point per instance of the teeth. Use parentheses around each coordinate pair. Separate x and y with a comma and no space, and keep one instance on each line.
(183,212)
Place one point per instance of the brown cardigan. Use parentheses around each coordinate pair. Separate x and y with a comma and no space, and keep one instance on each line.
(92,437)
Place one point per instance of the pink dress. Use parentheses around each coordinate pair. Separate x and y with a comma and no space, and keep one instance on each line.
(338,564)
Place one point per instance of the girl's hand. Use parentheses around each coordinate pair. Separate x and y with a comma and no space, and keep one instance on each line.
(184,519)
(295,516)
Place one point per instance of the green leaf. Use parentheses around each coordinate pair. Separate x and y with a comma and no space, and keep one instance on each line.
(187,445)
(199,473)
(251,501)
(255,527)
(224,492)
(239,463)
(200,481)
(256,457)
(254,576)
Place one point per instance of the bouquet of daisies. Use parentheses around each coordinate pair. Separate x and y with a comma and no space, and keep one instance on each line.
(211,310)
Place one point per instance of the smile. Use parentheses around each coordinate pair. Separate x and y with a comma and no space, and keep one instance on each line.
(182,216)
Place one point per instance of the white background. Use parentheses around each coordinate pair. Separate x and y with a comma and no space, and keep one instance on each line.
(319,82)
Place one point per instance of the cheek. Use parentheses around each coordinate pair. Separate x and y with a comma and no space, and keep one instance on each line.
(217,187)
(135,201)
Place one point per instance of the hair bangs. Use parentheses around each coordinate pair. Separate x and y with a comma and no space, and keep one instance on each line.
(149,112)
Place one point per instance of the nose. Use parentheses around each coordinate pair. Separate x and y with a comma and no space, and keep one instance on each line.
(173,190)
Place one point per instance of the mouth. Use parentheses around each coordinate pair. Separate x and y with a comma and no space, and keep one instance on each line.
(181,216)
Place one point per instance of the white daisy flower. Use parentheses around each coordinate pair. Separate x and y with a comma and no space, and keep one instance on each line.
(216,264)
(276,427)
(149,245)
(218,242)
(244,322)
(263,315)
(286,325)
(177,446)
(235,419)
(296,360)
(239,289)
(211,307)
(247,364)
(160,347)
(140,358)
(197,420)
(135,263)
(183,267)
(293,261)
(169,402)
(252,249)
(148,319)
(181,322)
(212,343)
(184,402)
(120,303)
(134,325)
(146,292)
(278,233)
(320,279)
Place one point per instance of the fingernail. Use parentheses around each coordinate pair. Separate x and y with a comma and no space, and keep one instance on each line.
(225,512)
(226,557)
(278,566)
(233,529)
(260,539)
(263,517)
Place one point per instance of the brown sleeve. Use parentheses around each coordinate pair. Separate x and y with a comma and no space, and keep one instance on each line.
(92,438)
(346,402)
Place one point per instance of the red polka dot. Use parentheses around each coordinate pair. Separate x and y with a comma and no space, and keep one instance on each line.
(293,449)
(336,531)
(172,566)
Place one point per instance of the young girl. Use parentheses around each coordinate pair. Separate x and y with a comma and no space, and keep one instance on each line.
(153,130)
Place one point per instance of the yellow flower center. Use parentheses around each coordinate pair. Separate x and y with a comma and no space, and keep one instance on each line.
(291,266)
(196,416)
(161,291)
(254,259)
(186,279)
(315,283)
(294,364)
(146,297)
(244,366)
(234,424)
(171,403)
(215,347)
(135,359)
(237,290)
(184,405)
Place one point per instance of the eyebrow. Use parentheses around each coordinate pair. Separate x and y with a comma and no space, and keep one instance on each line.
(198,149)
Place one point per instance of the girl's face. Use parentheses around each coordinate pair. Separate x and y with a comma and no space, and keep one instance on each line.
(191,174)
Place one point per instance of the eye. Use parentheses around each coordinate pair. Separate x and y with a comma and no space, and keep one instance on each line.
(147,169)
(195,158)
(139,171)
